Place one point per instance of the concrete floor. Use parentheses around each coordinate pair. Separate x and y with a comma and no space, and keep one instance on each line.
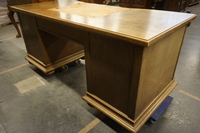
(53,104)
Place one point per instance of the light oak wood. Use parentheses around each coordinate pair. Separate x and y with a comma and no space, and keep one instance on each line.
(131,54)
(135,25)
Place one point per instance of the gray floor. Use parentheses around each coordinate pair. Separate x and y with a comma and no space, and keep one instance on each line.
(53,104)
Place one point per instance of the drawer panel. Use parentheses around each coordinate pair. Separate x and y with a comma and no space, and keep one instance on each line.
(62,30)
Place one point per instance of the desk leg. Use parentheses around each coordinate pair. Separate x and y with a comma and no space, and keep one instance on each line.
(10,15)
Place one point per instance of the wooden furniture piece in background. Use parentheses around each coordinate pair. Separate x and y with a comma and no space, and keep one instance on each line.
(11,14)
(169,5)
(193,2)
(176,5)
(105,2)
(136,3)
(130,64)
(94,1)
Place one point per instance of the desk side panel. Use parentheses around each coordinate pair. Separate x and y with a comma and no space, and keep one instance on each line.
(157,72)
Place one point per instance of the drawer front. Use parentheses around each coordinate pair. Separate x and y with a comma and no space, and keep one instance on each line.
(62,30)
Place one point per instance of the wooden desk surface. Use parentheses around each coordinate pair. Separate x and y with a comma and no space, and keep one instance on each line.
(140,26)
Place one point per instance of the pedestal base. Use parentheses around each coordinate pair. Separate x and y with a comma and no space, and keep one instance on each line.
(46,68)
(123,119)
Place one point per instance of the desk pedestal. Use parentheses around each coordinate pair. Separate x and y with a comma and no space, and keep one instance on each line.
(45,49)
(128,82)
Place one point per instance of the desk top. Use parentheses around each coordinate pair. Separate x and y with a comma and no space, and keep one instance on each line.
(141,26)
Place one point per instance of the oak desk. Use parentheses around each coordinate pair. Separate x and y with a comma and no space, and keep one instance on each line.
(131,54)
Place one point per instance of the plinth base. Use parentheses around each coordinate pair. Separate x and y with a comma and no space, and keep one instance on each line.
(46,68)
(123,119)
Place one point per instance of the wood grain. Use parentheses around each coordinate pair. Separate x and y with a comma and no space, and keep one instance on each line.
(140,26)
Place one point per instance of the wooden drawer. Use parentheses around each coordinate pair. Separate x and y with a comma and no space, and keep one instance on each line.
(62,30)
